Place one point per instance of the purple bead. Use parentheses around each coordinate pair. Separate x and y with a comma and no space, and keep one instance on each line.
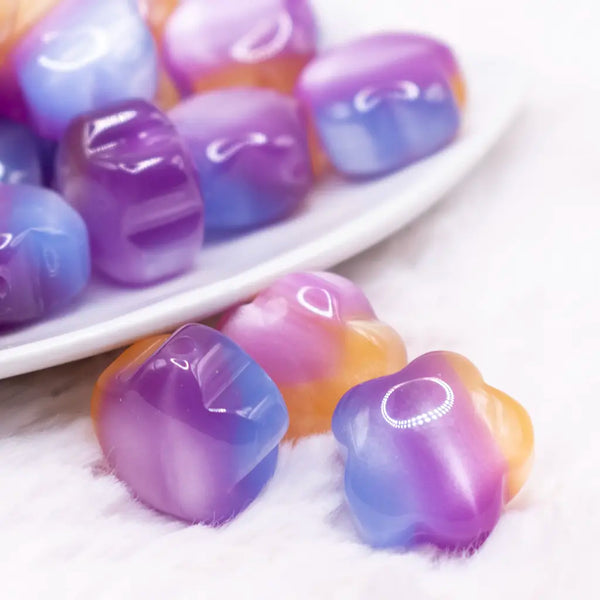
(20,154)
(127,171)
(190,423)
(83,55)
(432,454)
(264,43)
(44,253)
(382,102)
(250,153)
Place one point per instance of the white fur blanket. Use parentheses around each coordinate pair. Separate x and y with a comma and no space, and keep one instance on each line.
(504,270)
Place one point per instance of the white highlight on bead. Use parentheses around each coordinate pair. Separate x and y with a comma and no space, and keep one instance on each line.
(248,48)
(322,312)
(370,97)
(426,417)
(222,149)
(88,44)
(5,240)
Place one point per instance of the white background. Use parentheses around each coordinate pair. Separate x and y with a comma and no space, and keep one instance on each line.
(504,270)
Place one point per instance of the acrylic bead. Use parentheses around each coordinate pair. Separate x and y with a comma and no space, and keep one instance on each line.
(190,423)
(382,102)
(250,153)
(128,173)
(210,45)
(20,154)
(316,335)
(82,55)
(44,253)
(433,454)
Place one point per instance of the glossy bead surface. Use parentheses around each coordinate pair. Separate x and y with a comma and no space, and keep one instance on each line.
(316,335)
(82,55)
(382,102)
(44,253)
(16,18)
(190,423)
(210,45)
(19,154)
(432,454)
(127,171)
(250,153)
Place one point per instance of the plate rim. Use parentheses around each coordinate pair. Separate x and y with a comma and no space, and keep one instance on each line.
(323,252)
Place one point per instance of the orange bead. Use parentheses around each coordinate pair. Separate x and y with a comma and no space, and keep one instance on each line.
(320,163)
(156,13)
(459,88)
(370,349)
(508,421)
(279,73)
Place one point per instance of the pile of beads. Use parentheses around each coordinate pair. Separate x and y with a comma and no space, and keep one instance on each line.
(156,120)
(191,422)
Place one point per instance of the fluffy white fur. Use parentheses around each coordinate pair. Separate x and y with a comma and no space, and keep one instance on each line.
(504,270)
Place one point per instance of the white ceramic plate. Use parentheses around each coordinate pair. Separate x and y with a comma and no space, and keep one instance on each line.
(339,220)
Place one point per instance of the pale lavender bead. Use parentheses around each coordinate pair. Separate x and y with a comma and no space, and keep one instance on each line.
(382,102)
(250,152)
(81,56)
(209,44)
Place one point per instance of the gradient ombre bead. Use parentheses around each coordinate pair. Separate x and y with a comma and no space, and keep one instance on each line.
(82,55)
(433,454)
(266,43)
(128,173)
(316,335)
(250,153)
(44,253)
(16,18)
(190,423)
(382,102)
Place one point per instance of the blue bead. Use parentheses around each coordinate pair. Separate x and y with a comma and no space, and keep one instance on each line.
(389,135)
(19,154)
(44,253)
(83,55)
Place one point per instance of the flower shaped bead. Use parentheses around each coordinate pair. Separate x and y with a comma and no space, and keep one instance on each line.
(316,335)
(190,423)
(44,253)
(264,43)
(432,454)
(127,171)
(382,102)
